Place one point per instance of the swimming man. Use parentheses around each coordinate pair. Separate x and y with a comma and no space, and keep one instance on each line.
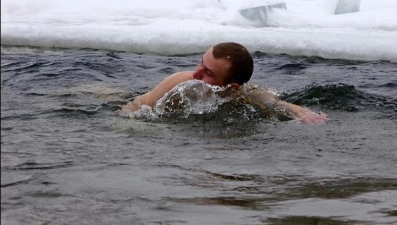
(227,64)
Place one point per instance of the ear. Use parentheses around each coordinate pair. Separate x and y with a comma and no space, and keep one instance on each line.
(234,85)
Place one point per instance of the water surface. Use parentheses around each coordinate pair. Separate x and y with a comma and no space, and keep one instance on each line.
(68,157)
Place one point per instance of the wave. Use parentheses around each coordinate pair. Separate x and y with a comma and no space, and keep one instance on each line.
(30,165)
(201,102)
(341,97)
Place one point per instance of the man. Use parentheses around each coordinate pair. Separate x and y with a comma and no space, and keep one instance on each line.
(227,64)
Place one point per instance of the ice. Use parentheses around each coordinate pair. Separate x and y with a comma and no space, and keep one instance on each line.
(305,28)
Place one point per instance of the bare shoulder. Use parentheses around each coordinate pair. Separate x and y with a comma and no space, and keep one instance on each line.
(175,79)
(182,76)
(170,82)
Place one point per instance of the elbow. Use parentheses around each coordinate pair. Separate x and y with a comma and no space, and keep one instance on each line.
(138,103)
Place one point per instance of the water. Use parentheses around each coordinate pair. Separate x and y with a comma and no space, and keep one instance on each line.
(68,157)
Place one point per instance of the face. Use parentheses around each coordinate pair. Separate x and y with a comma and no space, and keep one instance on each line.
(212,71)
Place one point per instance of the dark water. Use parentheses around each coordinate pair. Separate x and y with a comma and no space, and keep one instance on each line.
(67,157)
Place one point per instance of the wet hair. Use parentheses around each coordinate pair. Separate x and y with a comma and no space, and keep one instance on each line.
(241,63)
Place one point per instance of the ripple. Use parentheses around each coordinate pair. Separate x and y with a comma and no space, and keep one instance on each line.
(39,166)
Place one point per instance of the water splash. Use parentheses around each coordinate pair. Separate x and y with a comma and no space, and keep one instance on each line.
(193,97)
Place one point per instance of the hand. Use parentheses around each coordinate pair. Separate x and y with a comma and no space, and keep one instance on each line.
(312,118)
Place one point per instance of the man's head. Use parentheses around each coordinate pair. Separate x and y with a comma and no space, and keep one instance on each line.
(225,63)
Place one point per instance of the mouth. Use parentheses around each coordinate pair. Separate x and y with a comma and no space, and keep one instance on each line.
(195,76)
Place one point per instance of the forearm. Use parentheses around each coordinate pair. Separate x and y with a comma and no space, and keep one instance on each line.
(296,110)
(305,115)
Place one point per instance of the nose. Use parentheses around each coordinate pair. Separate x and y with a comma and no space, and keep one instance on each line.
(199,72)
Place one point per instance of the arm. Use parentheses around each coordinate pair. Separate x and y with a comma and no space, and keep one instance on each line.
(305,115)
(282,110)
(154,95)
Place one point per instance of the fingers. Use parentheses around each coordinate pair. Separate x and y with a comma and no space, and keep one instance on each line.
(313,118)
